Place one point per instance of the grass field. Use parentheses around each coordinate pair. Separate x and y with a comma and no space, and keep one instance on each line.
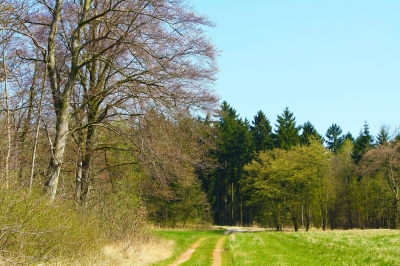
(364,247)
(353,247)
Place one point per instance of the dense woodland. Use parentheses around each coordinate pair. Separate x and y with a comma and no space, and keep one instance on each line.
(109,106)
(289,175)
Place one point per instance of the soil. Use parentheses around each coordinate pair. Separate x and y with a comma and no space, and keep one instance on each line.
(217,254)
(188,253)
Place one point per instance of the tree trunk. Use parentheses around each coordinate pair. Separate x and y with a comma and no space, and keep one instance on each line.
(53,172)
(85,180)
(61,98)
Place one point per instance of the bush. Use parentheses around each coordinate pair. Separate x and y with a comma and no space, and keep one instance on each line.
(32,230)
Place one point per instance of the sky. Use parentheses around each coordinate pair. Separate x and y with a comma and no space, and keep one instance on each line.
(328,61)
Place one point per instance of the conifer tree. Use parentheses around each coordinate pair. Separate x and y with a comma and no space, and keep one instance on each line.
(383,136)
(235,149)
(348,136)
(362,143)
(309,133)
(261,130)
(334,140)
(286,132)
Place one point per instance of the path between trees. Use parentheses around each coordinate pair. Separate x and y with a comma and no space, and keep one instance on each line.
(219,248)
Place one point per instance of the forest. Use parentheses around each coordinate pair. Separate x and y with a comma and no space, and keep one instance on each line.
(108,111)
(292,176)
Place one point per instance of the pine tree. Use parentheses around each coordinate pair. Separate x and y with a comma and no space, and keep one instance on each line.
(261,130)
(309,133)
(383,136)
(286,132)
(235,149)
(334,140)
(362,143)
(348,136)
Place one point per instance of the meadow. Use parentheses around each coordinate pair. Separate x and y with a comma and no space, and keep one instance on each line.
(350,247)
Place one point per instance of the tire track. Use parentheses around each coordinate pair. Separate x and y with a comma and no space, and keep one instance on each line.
(217,254)
(188,253)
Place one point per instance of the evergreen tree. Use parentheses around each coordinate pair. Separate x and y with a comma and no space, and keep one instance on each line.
(235,149)
(309,133)
(286,132)
(383,136)
(262,132)
(334,140)
(348,136)
(362,143)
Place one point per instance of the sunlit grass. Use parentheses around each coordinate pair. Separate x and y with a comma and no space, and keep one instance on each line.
(367,247)
(183,239)
(204,253)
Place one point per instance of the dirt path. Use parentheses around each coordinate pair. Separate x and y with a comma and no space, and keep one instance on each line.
(188,253)
(217,254)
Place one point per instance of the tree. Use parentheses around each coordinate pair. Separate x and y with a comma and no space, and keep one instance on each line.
(342,204)
(286,132)
(363,142)
(385,160)
(334,140)
(383,135)
(262,132)
(288,182)
(235,149)
(309,133)
(348,136)
(117,59)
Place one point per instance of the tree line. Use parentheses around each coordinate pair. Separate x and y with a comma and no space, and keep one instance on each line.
(291,175)
(111,103)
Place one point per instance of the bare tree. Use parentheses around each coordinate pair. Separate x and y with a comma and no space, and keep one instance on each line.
(113,60)
(385,161)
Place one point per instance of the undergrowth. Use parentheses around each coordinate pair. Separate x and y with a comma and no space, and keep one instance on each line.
(35,231)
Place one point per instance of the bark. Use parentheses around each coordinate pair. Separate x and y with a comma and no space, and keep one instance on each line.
(61,98)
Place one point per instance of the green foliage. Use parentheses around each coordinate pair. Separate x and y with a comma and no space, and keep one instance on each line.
(345,183)
(334,138)
(286,132)
(309,133)
(282,181)
(235,149)
(186,205)
(262,132)
(363,142)
(383,136)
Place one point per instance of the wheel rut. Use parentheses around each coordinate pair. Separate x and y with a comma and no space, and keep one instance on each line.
(217,254)
(188,253)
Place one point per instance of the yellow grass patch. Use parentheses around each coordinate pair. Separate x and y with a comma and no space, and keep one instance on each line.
(138,254)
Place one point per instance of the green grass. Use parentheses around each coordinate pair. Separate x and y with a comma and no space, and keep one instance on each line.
(183,239)
(204,253)
(369,247)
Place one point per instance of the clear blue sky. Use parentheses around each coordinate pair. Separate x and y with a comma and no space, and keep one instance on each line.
(328,61)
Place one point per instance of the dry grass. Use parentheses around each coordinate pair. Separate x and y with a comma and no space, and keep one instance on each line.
(141,252)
